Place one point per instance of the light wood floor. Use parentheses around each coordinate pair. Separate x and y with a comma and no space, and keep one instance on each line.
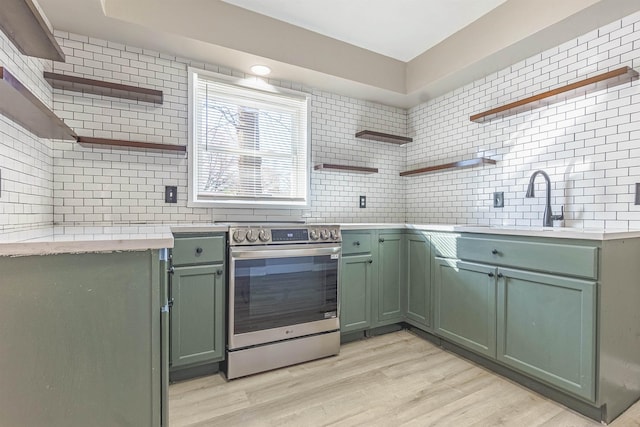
(391,380)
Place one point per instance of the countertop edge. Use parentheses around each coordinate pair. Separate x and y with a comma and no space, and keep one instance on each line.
(198,228)
(553,233)
(88,246)
(88,239)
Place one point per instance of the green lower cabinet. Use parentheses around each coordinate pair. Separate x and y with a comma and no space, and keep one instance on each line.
(391,273)
(418,295)
(81,340)
(546,328)
(197,315)
(465,304)
(355,293)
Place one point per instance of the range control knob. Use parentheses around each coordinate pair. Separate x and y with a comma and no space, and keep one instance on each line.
(335,234)
(313,234)
(324,234)
(264,236)
(239,236)
(252,236)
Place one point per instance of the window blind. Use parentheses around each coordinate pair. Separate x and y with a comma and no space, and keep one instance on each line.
(250,146)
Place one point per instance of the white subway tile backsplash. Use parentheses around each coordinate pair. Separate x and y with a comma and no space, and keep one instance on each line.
(129,186)
(588,145)
(26,197)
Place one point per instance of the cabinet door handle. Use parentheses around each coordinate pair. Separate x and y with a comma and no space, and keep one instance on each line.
(171,270)
(356,243)
(199,250)
(491,274)
(219,272)
(370,261)
(495,252)
(500,276)
(381,240)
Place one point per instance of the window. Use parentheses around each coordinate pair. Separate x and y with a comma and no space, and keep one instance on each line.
(249,146)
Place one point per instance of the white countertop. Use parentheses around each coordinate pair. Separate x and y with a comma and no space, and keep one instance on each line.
(79,239)
(554,232)
(199,228)
(371,226)
(511,230)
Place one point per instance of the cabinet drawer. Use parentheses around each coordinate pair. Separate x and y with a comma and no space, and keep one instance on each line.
(579,261)
(445,245)
(356,243)
(198,250)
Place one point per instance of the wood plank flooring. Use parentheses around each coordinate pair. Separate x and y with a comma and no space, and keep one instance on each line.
(397,379)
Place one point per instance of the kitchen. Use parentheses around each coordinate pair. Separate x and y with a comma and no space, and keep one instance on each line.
(587,144)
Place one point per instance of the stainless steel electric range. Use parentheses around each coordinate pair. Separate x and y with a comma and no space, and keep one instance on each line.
(283,296)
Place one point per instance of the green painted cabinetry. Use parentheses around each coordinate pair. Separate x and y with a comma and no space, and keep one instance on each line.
(355,293)
(547,328)
(197,289)
(560,315)
(197,315)
(418,280)
(465,304)
(386,279)
(356,242)
(81,340)
(540,323)
(391,263)
(373,279)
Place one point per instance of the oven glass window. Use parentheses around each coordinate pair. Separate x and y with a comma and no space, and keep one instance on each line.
(276,292)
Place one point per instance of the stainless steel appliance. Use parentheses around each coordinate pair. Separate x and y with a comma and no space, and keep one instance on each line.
(283,296)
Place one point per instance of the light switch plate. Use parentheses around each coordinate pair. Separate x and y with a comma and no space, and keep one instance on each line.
(363,201)
(171,194)
(637,198)
(498,199)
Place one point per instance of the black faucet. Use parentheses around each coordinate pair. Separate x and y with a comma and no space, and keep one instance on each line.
(548,218)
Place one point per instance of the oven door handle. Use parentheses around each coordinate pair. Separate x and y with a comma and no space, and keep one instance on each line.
(281,252)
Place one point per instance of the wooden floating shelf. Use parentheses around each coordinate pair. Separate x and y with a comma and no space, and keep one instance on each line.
(133,144)
(592,84)
(23,107)
(23,23)
(383,137)
(330,167)
(98,87)
(454,165)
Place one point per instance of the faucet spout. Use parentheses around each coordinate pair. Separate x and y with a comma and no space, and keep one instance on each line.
(547,220)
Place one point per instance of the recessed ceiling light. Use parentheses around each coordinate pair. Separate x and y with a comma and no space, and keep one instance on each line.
(261,70)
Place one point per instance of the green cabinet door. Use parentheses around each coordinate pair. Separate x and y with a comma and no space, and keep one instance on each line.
(197,315)
(465,304)
(80,340)
(390,283)
(355,293)
(418,296)
(546,328)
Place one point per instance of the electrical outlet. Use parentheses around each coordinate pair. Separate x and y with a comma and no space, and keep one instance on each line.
(363,201)
(637,202)
(498,199)
(170,194)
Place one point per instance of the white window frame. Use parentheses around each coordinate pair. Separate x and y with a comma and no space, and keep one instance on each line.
(254,83)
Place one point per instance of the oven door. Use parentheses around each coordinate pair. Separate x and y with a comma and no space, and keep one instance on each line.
(282,292)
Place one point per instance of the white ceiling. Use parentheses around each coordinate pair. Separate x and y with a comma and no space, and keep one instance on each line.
(400,29)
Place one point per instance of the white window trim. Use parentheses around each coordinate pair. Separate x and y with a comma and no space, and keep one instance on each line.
(252,83)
